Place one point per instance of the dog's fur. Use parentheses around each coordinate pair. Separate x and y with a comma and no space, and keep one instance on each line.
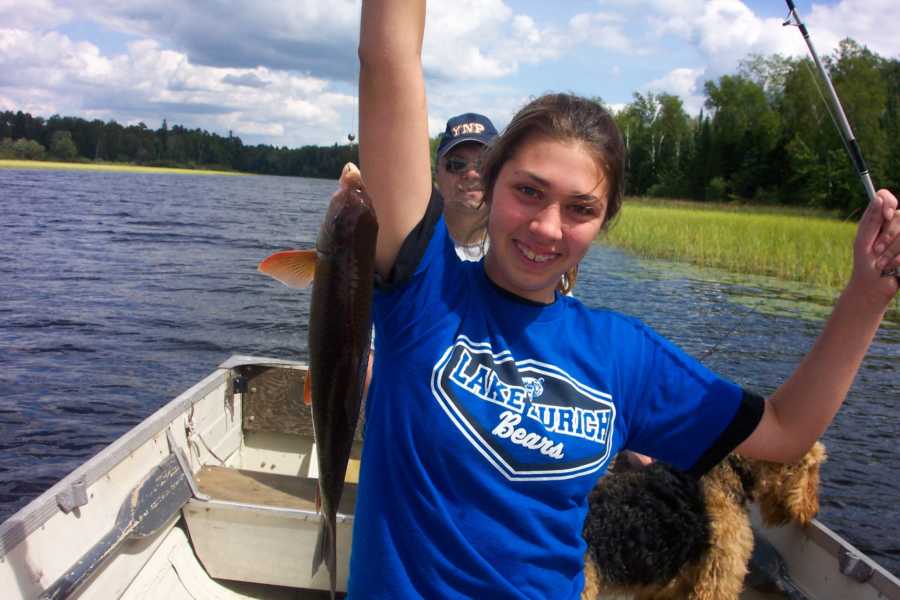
(658,534)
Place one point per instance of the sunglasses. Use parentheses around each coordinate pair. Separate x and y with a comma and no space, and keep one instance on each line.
(456,165)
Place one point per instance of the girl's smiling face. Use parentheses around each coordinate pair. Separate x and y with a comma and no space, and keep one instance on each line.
(547,207)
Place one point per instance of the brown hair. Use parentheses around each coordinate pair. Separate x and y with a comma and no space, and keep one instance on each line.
(565,118)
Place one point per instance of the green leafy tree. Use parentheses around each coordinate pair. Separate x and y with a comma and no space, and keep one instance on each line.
(745,132)
(62,146)
(890,176)
(859,82)
(697,161)
(636,123)
(768,72)
(673,137)
(6,148)
(808,137)
(28,149)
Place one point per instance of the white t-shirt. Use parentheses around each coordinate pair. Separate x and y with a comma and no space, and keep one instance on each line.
(472,252)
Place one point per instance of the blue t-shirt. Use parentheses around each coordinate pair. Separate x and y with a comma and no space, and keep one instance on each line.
(488,422)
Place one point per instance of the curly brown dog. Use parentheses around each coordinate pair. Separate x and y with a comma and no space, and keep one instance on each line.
(658,534)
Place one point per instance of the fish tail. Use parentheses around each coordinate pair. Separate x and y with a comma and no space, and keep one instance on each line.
(326,551)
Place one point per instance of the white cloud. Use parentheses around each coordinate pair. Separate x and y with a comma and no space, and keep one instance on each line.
(728,31)
(310,36)
(275,69)
(684,83)
(49,73)
(41,15)
(472,40)
(872,23)
(602,30)
(447,99)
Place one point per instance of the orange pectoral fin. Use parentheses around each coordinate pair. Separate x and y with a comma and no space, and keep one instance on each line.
(307,389)
(293,268)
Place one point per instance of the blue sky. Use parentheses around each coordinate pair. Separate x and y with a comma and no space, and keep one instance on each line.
(283,73)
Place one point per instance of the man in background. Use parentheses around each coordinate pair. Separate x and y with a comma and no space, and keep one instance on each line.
(459,181)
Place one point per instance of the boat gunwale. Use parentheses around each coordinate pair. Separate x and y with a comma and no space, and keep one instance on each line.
(31,517)
(881,579)
(37,512)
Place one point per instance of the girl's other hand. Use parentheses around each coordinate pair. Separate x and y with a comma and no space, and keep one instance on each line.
(877,249)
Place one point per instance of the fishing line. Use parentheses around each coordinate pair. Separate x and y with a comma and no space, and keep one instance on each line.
(351,136)
(850,143)
(752,310)
(814,79)
(812,75)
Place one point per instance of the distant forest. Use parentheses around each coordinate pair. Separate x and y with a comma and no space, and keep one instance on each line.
(765,135)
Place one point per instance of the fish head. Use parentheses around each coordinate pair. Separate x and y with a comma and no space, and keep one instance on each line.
(350,213)
(350,177)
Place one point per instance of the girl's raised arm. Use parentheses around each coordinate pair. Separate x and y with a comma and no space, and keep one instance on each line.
(802,408)
(393,125)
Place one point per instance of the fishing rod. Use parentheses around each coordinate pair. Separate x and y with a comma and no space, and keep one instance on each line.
(841,122)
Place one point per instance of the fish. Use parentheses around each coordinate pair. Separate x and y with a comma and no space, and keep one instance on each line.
(341,269)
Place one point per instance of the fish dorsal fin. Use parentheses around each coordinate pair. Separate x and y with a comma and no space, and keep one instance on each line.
(293,268)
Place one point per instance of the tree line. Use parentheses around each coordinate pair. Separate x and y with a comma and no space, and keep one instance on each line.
(74,139)
(765,134)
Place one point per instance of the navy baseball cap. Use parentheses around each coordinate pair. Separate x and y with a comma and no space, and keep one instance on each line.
(468,127)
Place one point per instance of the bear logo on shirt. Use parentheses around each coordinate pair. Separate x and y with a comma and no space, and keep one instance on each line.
(529,419)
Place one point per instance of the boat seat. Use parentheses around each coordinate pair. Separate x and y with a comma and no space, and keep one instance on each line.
(261,527)
(267,489)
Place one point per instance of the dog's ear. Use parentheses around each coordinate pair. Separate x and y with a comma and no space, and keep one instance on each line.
(790,492)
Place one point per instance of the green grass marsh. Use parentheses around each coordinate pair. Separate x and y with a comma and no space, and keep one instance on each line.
(792,244)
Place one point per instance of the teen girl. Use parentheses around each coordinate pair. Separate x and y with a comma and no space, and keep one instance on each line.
(497,401)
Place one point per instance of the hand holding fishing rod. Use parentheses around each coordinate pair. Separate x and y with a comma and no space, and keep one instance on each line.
(876,251)
(888,239)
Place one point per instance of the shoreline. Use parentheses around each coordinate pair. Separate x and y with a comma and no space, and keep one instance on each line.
(791,244)
(107,167)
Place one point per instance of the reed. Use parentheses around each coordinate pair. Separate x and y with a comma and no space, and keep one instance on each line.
(789,244)
(90,166)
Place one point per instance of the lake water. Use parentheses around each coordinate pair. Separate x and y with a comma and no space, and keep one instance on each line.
(119,291)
